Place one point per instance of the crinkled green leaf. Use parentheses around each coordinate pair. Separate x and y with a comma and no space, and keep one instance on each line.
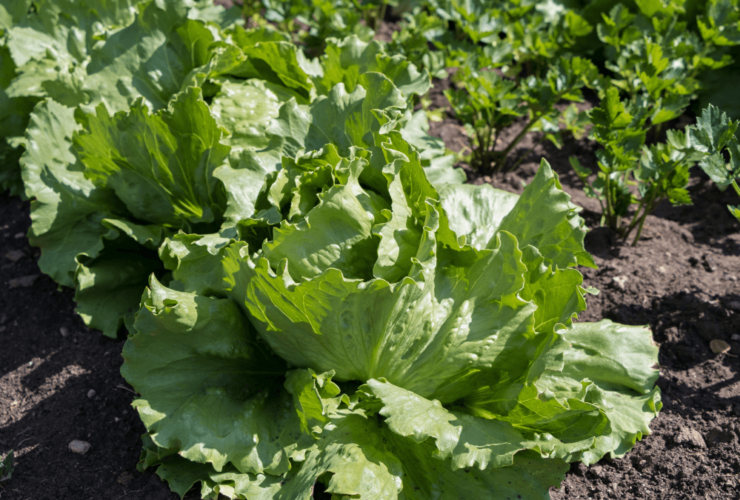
(345,60)
(108,289)
(621,361)
(208,387)
(409,188)
(545,218)
(149,59)
(530,478)
(67,209)
(195,261)
(476,212)
(245,108)
(469,441)
(557,293)
(336,234)
(160,165)
(349,119)
(182,474)
(429,339)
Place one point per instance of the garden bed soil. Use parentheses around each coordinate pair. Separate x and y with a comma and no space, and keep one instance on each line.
(682,279)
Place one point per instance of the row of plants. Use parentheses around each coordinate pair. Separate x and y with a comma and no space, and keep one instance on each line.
(516,60)
(325,304)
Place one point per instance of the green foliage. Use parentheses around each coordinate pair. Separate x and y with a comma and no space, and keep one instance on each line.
(489,103)
(326,301)
(7,467)
(631,172)
(435,327)
(715,138)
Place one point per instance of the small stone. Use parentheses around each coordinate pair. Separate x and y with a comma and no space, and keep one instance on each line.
(125,478)
(63,330)
(91,394)
(729,277)
(619,281)
(19,236)
(735,337)
(24,281)
(708,263)
(687,435)
(597,471)
(719,346)
(15,255)
(80,447)
(661,270)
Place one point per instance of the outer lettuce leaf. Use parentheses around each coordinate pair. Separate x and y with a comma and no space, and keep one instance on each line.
(196,262)
(51,45)
(208,387)
(12,11)
(182,474)
(68,210)
(545,218)
(368,461)
(621,361)
(470,441)
(92,237)
(14,115)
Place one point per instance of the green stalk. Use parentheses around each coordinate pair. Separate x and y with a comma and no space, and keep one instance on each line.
(637,218)
(642,221)
(609,209)
(381,15)
(737,188)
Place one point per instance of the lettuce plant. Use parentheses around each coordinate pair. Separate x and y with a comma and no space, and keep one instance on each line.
(369,334)
(174,105)
(62,50)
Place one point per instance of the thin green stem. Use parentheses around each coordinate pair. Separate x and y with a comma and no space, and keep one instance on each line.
(647,212)
(381,15)
(737,188)
(636,219)
(609,209)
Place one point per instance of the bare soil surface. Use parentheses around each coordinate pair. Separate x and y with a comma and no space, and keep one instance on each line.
(682,279)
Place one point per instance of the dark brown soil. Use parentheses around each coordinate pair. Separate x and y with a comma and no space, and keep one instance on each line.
(682,279)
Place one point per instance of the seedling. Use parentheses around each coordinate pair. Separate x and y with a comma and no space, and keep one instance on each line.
(6,467)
